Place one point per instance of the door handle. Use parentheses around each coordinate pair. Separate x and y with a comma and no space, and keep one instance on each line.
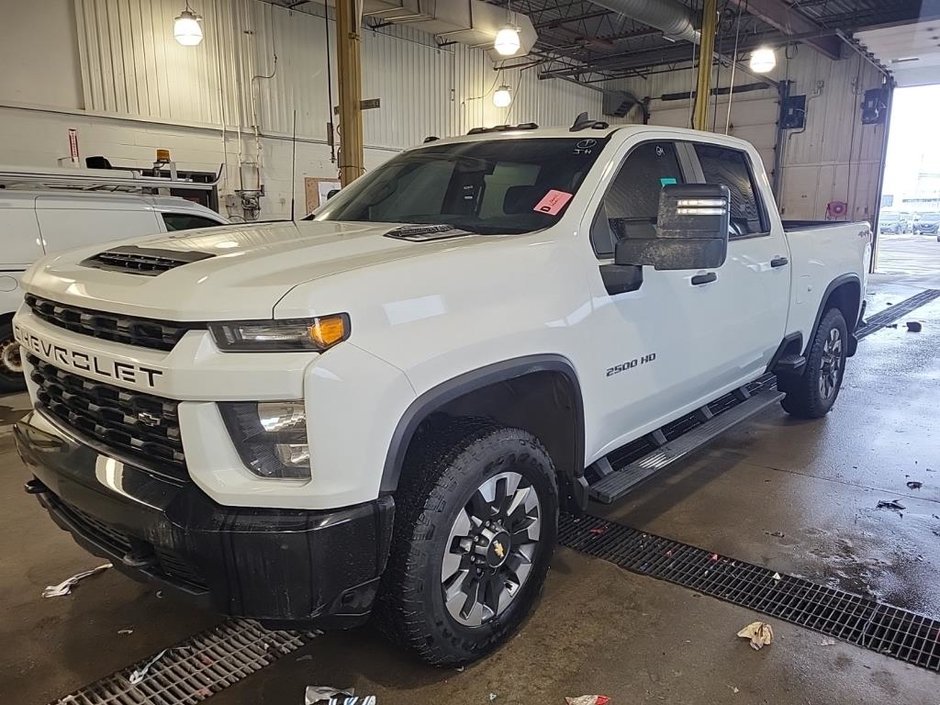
(704,278)
(779,262)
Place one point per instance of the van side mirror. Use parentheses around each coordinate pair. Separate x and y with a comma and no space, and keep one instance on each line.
(332,192)
(691,230)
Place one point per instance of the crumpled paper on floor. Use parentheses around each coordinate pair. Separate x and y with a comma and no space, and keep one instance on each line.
(588,700)
(761,634)
(138,674)
(65,587)
(328,695)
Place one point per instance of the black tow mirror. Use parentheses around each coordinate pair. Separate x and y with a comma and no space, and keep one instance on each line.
(332,192)
(691,230)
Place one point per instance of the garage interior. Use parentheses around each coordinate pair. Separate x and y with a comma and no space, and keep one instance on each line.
(253,118)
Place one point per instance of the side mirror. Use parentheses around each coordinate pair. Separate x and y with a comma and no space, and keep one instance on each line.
(691,230)
(332,192)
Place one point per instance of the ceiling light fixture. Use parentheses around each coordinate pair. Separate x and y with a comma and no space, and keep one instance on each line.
(502,98)
(763,60)
(186,28)
(507,41)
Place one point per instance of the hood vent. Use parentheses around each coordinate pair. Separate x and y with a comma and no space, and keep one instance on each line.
(131,259)
(424,233)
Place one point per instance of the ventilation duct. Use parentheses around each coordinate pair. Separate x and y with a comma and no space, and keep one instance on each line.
(471,22)
(671,17)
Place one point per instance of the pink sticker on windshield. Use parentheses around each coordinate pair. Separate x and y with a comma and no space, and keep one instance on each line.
(552,202)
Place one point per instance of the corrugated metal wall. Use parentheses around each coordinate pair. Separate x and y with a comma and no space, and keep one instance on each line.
(132,65)
(835,159)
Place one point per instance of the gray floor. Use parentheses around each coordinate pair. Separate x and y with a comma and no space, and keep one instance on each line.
(798,497)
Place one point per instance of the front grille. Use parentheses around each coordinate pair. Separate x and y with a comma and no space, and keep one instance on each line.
(131,330)
(161,562)
(150,262)
(139,425)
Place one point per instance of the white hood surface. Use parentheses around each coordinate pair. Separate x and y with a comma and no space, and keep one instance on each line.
(250,268)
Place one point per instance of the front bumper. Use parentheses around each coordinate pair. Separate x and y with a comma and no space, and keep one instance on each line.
(275,565)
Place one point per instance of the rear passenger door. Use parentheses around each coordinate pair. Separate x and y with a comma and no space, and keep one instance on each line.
(752,288)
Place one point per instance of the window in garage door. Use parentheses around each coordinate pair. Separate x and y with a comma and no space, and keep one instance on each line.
(722,165)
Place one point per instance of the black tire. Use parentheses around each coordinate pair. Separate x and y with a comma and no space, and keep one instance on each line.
(812,395)
(452,461)
(11,371)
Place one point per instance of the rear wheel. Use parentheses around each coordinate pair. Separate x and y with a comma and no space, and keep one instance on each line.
(11,362)
(812,395)
(475,525)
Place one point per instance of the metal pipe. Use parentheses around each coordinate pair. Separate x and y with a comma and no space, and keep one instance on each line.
(671,17)
(703,85)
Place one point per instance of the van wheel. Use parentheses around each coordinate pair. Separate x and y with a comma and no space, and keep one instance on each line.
(812,395)
(476,518)
(11,363)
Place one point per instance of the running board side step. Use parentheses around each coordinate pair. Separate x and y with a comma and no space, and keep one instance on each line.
(615,483)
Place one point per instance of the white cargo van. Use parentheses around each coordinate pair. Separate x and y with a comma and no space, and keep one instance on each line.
(42,221)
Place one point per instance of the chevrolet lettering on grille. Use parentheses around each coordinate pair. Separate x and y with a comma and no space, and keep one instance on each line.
(86,362)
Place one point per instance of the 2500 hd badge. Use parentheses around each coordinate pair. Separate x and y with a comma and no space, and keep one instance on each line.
(55,353)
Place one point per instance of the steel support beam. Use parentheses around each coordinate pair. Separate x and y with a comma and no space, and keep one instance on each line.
(781,16)
(349,75)
(706,50)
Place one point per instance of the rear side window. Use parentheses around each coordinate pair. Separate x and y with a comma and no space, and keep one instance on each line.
(730,167)
(186,221)
(632,202)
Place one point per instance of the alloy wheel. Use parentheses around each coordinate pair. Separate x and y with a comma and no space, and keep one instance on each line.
(831,366)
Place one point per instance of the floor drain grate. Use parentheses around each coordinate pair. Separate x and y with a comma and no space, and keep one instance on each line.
(891,314)
(858,620)
(194,669)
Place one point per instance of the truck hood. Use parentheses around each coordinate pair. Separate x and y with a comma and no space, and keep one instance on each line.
(246,268)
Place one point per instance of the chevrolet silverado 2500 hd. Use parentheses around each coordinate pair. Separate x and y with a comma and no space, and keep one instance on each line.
(384,409)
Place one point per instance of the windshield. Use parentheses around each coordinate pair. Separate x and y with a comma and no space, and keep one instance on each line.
(930,217)
(498,186)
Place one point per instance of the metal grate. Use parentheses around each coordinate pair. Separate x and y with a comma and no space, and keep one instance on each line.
(119,328)
(858,620)
(141,425)
(891,314)
(194,669)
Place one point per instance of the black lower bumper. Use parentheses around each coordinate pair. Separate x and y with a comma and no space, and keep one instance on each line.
(275,565)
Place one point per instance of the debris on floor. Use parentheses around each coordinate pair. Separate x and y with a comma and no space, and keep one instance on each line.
(778,577)
(65,587)
(891,325)
(588,700)
(914,485)
(827,642)
(125,632)
(138,674)
(598,530)
(761,634)
(328,695)
(891,504)
(734,689)
(914,327)
(492,697)
(775,534)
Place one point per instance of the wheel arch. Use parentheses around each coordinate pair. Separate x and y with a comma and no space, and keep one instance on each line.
(844,293)
(537,393)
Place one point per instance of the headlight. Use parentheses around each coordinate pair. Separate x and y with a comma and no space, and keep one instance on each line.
(271,437)
(285,335)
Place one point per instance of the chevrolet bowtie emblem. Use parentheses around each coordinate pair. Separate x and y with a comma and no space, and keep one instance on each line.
(498,548)
(148,419)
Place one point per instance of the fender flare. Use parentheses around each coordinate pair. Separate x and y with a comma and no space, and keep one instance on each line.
(445,392)
(833,285)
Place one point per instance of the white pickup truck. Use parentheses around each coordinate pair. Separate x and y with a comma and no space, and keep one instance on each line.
(384,409)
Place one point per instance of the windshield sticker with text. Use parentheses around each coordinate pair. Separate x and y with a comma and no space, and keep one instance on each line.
(552,202)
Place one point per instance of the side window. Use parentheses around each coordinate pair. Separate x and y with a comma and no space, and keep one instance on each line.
(730,167)
(186,221)
(631,203)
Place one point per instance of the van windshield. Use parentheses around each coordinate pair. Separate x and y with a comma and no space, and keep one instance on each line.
(497,186)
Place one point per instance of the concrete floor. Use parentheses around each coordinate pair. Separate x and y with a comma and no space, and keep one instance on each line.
(798,497)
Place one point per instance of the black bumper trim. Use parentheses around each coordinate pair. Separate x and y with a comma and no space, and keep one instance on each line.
(277,565)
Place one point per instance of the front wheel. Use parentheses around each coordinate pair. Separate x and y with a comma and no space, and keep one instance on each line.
(812,395)
(11,362)
(475,525)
